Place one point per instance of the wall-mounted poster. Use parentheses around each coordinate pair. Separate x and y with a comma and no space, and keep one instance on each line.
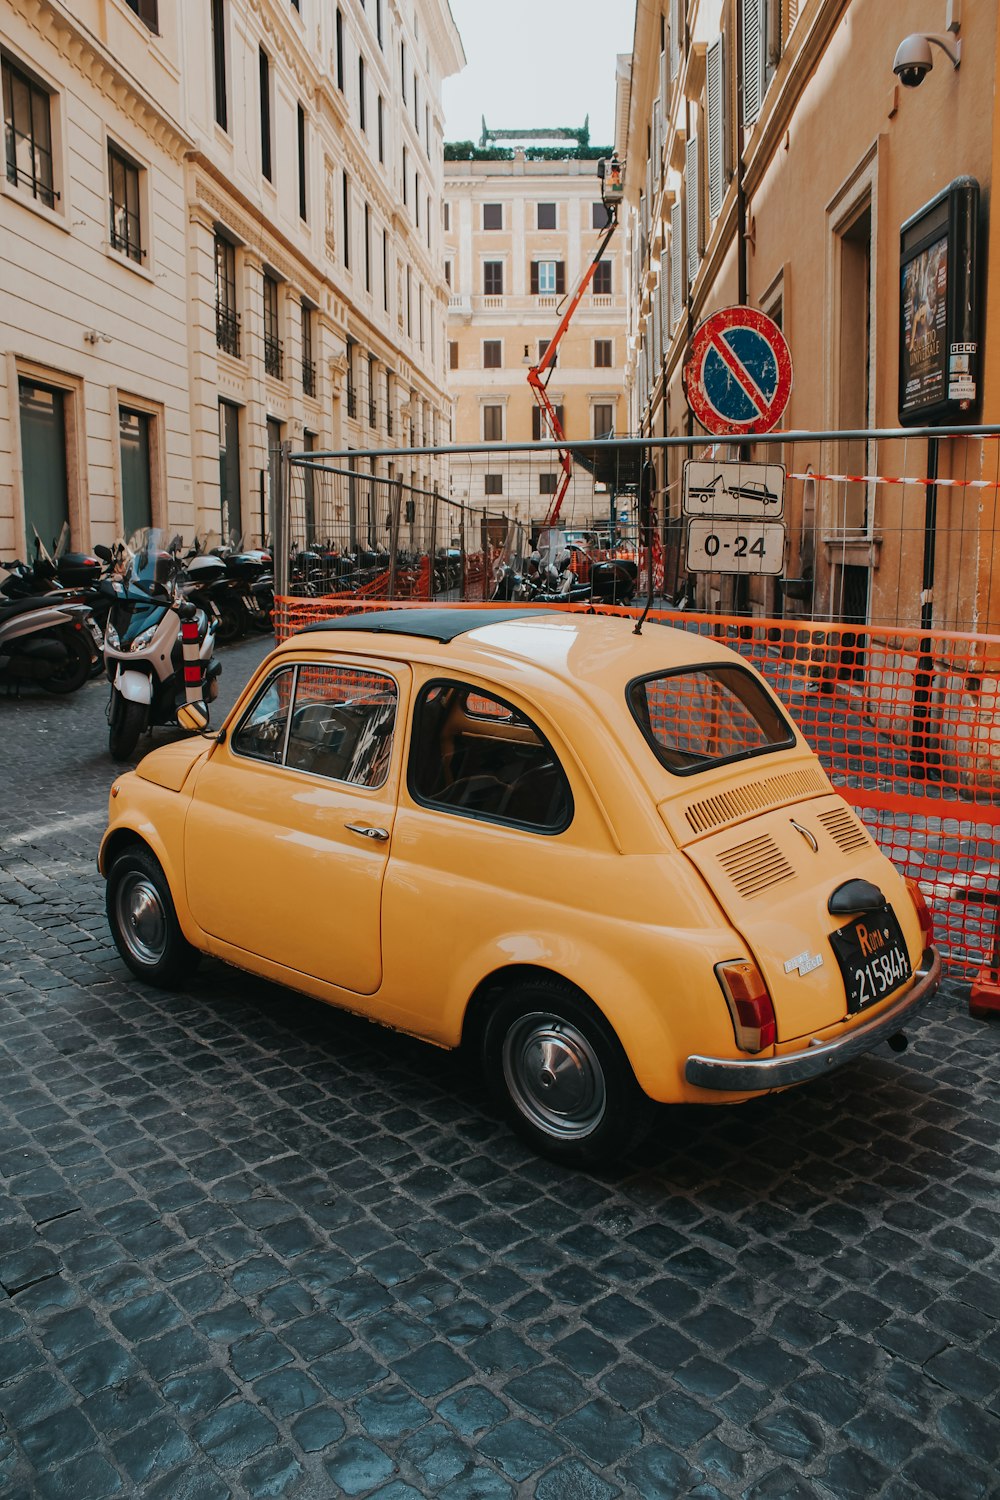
(938,312)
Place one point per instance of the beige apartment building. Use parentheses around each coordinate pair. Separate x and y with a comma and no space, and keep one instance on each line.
(775,132)
(518,236)
(221,231)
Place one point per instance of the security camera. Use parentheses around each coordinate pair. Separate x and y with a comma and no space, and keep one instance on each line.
(914,59)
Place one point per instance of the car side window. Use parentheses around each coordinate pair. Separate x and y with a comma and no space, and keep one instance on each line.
(261,732)
(475,755)
(331,721)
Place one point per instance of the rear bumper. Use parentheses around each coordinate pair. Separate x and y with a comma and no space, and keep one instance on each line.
(757,1075)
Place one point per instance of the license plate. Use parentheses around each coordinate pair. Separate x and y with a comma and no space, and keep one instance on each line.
(872,956)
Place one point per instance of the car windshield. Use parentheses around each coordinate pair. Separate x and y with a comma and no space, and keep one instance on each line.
(704,716)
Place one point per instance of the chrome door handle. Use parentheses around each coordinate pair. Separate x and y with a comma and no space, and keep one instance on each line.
(378,834)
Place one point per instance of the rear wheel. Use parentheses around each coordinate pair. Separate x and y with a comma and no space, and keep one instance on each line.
(143,921)
(74,671)
(128,720)
(561,1076)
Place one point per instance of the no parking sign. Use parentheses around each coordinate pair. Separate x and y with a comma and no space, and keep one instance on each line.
(739,375)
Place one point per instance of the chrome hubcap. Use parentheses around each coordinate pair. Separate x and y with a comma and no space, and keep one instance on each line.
(554,1076)
(141,918)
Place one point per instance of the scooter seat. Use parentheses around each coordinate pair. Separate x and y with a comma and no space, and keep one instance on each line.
(11,607)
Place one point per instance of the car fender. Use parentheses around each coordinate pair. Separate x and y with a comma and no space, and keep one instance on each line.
(137,687)
(159,824)
(658,1020)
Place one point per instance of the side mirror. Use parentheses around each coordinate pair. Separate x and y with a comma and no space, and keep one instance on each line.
(193,717)
(104,553)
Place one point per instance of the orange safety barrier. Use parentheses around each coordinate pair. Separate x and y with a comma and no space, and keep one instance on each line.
(907,726)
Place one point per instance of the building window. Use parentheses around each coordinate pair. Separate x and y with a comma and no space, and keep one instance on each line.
(368,249)
(447,272)
(265,113)
(385,269)
(416,198)
(146,11)
(339,28)
(548,277)
(406,176)
(273,357)
(230,496)
(402,69)
(123,194)
(539,429)
(378,21)
(604,419)
(45,458)
(493,278)
(352,393)
(380,117)
(300,120)
(547,483)
(446,217)
(493,484)
(134,447)
(543,346)
(227,320)
(362,93)
(219,60)
(598,216)
(492,354)
(604,354)
(347,222)
(452,355)
(28,132)
(308,363)
(492,424)
(602,279)
(492,215)
(546,216)
(371,390)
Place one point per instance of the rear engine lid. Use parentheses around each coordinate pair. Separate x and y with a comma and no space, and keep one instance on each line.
(774,874)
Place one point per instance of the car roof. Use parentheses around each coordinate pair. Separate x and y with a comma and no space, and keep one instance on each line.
(432,624)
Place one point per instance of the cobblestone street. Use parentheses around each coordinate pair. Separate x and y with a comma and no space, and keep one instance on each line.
(250,1246)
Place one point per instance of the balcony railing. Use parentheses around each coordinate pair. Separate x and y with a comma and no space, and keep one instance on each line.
(308,377)
(227,330)
(274,357)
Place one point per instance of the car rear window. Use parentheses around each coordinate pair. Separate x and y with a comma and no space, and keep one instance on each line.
(696,717)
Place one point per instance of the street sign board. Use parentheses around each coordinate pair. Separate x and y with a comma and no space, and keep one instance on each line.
(739,376)
(716,545)
(733,489)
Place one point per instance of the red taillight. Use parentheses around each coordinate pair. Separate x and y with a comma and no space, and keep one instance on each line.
(189,631)
(923,912)
(749,1004)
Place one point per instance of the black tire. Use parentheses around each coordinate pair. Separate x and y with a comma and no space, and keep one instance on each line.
(143,921)
(232,621)
(561,1076)
(128,720)
(75,671)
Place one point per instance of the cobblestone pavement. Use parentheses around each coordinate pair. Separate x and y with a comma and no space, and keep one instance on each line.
(252,1247)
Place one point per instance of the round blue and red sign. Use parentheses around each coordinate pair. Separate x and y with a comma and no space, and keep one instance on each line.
(739,374)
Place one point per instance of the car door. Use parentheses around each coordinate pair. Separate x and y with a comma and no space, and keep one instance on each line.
(290,824)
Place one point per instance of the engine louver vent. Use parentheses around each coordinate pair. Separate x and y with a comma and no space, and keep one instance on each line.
(756,866)
(846,830)
(755,796)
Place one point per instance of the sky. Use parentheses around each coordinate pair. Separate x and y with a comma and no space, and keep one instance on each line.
(537,63)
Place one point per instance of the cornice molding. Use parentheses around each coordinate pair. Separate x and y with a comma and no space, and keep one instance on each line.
(85,53)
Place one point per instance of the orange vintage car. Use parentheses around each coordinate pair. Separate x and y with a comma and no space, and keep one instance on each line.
(606,862)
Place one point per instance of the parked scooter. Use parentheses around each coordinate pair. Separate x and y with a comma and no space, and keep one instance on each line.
(238,585)
(46,639)
(158,647)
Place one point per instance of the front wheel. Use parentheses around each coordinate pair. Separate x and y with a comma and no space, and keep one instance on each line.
(561,1076)
(128,720)
(74,671)
(143,921)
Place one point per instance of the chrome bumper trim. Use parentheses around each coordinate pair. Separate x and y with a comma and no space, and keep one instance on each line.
(755,1075)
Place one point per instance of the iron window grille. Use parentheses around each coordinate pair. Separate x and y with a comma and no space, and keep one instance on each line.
(28,132)
(123,193)
(227,321)
(308,363)
(273,353)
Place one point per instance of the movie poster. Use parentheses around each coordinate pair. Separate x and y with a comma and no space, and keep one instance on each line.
(924,316)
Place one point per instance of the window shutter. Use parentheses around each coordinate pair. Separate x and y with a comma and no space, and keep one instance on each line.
(753,59)
(534,278)
(693,205)
(676,264)
(560,277)
(675,38)
(715,106)
(792,8)
(664,296)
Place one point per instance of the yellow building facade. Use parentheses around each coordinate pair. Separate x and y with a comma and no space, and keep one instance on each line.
(776,132)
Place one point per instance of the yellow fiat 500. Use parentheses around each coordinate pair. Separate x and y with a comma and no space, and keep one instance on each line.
(608,862)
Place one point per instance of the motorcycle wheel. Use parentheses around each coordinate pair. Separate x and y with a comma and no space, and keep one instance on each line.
(127,723)
(231,622)
(143,921)
(76,669)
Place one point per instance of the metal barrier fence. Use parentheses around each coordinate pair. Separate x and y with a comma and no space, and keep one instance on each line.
(869,627)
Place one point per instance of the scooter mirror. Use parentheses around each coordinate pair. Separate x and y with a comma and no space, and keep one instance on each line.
(104,553)
(193,717)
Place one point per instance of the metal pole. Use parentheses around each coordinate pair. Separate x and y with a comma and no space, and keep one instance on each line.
(922,765)
(280,526)
(397,507)
(432,550)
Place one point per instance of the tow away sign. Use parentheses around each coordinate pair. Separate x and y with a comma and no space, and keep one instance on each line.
(718,545)
(734,489)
